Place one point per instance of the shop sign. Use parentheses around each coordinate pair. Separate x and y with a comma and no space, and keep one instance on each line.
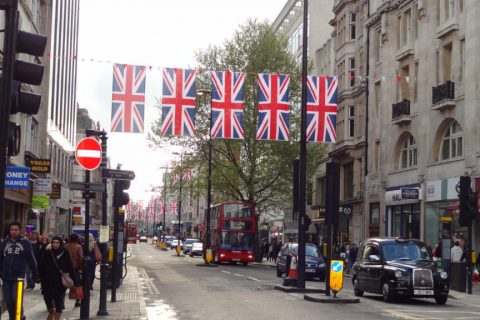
(40,201)
(396,197)
(409,193)
(42,186)
(40,165)
(56,191)
(17,177)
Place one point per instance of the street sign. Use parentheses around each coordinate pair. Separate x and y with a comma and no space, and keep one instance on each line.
(88,153)
(118,174)
(336,275)
(81,186)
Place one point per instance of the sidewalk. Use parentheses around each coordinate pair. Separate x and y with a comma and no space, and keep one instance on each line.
(129,305)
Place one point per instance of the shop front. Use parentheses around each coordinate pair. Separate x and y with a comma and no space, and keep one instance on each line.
(442,201)
(403,211)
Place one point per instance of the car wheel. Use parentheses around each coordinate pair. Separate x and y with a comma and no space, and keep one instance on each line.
(245,264)
(441,299)
(279,273)
(387,292)
(356,288)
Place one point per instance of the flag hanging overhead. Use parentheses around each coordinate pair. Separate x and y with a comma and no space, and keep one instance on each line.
(128,98)
(227,104)
(273,107)
(178,102)
(321,108)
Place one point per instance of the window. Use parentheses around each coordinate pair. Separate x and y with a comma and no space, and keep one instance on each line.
(409,153)
(351,71)
(406,27)
(374,220)
(351,121)
(377,40)
(452,142)
(447,62)
(404,82)
(348,181)
(341,75)
(352,26)
(462,60)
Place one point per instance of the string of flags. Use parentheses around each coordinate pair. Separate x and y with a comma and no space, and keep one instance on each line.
(384,77)
(227,104)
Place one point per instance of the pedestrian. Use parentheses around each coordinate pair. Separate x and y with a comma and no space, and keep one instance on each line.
(456,252)
(35,242)
(428,245)
(15,254)
(95,257)
(44,242)
(352,255)
(54,261)
(270,251)
(76,255)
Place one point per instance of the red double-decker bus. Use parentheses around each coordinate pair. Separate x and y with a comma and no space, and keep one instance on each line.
(232,227)
(132,232)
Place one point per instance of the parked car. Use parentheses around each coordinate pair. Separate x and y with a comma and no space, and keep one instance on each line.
(399,267)
(143,238)
(187,245)
(197,249)
(176,243)
(314,262)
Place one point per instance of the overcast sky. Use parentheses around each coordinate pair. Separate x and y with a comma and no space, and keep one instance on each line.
(157,33)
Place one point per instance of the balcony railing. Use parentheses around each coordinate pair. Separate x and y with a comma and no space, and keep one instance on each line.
(400,109)
(442,92)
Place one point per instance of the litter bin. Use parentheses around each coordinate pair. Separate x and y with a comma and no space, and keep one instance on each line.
(458,276)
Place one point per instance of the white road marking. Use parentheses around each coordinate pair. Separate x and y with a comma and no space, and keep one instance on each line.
(148,282)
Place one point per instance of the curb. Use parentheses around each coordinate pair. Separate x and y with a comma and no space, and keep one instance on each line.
(297,290)
(330,299)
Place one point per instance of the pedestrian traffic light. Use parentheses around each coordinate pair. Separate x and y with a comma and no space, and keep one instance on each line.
(120,197)
(14,139)
(464,214)
(27,72)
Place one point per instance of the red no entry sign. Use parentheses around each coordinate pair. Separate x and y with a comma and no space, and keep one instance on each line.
(88,153)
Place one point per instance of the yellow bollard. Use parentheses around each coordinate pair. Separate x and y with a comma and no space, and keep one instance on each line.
(19,304)
(177,249)
(110,254)
(208,256)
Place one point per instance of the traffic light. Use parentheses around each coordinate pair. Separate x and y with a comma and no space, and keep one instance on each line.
(472,204)
(465,214)
(120,197)
(27,72)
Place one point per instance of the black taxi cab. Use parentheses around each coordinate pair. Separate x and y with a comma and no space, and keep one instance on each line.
(399,267)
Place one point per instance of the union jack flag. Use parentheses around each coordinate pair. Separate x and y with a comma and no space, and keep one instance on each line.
(187,175)
(174,208)
(321,108)
(273,107)
(128,98)
(227,104)
(178,102)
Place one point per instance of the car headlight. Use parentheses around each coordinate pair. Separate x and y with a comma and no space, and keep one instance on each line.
(398,274)
(322,265)
(443,275)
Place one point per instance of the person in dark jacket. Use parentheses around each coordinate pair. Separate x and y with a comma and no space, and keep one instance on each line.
(35,242)
(54,259)
(15,254)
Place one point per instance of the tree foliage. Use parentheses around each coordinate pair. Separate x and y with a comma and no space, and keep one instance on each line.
(259,172)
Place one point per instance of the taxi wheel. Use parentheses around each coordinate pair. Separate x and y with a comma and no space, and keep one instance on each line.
(356,289)
(439,299)
(387,292)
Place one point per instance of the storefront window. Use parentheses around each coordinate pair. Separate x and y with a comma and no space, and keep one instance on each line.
(374,220)
(406,221)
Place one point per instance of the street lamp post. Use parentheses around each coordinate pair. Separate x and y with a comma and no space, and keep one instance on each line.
(180,192)
(202,92)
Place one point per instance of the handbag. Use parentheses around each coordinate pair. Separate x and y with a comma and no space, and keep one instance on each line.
(67,281)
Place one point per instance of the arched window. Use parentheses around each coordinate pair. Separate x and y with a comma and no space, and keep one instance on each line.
(452,142)
(409,153)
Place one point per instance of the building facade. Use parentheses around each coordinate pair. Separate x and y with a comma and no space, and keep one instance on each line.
(422,114)
(61,104)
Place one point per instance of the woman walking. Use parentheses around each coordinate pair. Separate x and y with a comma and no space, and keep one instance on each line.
(95,257)
(54,260)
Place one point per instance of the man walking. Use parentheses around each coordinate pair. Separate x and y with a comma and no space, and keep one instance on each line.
(15,254)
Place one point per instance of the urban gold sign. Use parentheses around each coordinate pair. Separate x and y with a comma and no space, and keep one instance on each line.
(40,165)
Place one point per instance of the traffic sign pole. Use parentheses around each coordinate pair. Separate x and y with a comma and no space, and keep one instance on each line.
(85,307)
